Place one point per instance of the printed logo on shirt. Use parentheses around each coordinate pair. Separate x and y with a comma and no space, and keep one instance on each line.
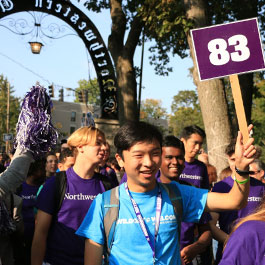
(163,220)
(254,199)
(185,176)
(28,197)
(79,197)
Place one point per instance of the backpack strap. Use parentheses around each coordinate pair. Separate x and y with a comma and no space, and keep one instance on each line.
(176,200)
(105,181)
(60,188)
(111,212)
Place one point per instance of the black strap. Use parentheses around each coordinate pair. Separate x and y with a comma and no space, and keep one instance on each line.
(12,205)
(60,188)
(105,181)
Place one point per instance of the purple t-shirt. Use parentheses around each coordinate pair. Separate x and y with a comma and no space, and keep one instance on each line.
(63,246)
(28,194)
(110,174)
(227,218)
(246,245)
(196,174)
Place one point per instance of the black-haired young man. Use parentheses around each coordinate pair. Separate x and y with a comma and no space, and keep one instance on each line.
(66,159)
(146,230)
(195,173)
(172,165)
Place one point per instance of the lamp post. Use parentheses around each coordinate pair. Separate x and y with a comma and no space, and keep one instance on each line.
(36,45)
(7,114)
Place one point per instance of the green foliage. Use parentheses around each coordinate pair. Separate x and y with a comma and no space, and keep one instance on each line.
(14,109)
(226,10)
(185,111)
(258,116)
(93,90)
(166,23)
(152,109)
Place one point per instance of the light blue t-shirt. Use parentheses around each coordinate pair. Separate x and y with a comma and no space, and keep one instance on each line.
(129,245)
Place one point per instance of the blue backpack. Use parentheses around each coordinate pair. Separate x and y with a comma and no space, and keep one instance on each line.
(110,204)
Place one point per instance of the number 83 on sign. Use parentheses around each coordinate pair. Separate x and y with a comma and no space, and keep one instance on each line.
(228,49)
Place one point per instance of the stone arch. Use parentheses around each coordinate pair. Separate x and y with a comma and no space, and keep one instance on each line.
(90,35)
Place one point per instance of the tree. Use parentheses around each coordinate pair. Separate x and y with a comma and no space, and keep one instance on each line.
(93,91)
(129,19)
(153,112)
(221,11)
(258,117)
(14,109)
(152,109)
(185,111)
(211,95)
(168,23)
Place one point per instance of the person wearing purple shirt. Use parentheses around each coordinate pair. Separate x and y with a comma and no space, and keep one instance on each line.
(105,170)
(173,163)
(27,191)
(227,218)
(246,244)
(54,239)
(194,173)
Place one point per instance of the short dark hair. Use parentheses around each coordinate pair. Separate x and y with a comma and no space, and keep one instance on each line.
(193,129)
(230,149)
(114,162)
(63,141)
(173,141)
(37,165)
(259,164)
(52,153)
(135,132)
(66,152)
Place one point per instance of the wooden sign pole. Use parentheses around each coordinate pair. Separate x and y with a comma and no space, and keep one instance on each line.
(240,111)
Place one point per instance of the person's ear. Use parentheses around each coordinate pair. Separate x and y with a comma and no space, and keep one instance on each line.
(119,160)
(60,166)
(80,149)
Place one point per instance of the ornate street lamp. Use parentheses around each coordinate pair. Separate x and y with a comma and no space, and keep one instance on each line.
(38,26)
(35,47)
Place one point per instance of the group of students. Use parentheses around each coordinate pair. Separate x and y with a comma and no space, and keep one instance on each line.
(164,184)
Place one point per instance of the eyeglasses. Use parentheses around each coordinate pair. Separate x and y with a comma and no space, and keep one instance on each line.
(255,172)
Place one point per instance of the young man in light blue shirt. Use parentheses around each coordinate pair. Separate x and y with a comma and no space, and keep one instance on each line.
(147,230)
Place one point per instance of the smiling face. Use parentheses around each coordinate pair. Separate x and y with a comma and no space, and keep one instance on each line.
(51,165)
(173,163)
(141,163)
(192,146)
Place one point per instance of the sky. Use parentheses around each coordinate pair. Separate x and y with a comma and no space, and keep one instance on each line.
(65,61)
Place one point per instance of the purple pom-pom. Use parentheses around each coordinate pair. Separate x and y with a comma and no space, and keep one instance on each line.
(35,132)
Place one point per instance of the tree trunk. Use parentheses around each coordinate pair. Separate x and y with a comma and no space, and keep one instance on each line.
(212,98)
(127,89)
(122,54)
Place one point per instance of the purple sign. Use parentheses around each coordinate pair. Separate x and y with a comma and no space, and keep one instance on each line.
(228,49)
